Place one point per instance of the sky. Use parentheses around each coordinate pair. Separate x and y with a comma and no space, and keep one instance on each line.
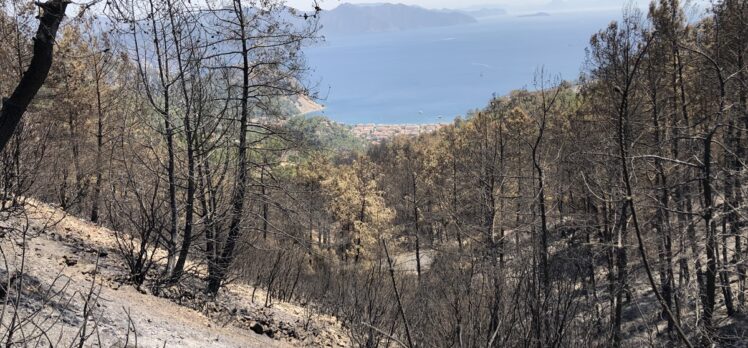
(517,5)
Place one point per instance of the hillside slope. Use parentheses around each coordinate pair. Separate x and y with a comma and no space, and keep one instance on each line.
(62,253)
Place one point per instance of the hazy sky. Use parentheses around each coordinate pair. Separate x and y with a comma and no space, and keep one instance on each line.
(423,3)
(508,4)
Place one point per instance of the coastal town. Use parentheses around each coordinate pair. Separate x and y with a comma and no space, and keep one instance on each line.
(376,133)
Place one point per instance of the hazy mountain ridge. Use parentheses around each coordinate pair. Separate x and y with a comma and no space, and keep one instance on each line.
(349,18)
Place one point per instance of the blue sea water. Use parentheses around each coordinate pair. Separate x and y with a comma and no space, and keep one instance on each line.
(435,74)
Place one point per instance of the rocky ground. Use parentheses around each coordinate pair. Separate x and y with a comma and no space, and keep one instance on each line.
(72,284)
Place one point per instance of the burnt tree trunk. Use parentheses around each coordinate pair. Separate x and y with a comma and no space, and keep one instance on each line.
(14,107)
(226,255)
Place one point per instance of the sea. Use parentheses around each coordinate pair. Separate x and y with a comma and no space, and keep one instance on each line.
(433,75)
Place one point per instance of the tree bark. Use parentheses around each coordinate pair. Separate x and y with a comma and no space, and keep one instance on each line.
(14,107)
(99,146)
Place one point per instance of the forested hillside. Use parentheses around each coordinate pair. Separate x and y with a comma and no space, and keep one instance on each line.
(606,212)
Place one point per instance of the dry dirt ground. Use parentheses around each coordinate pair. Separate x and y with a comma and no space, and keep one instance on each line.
(61,272)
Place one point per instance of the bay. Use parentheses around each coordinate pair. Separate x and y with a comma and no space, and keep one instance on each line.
(433,75)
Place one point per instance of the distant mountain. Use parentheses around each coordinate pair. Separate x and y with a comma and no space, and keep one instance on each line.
(371,18)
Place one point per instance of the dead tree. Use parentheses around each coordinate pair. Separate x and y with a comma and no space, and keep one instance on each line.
(14,107)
